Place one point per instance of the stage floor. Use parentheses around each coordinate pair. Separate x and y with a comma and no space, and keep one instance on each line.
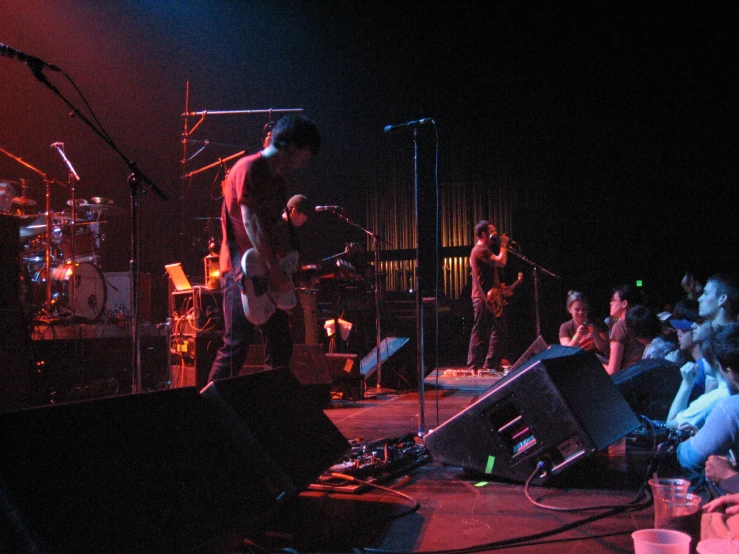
(456,510)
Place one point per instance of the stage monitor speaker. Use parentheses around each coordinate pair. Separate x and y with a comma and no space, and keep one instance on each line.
(388,347)
(291,428)
(556,410)
(534,348)
(166,471)
(650,386)
(308,364)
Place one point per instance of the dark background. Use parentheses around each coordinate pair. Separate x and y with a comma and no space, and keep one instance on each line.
(618,117)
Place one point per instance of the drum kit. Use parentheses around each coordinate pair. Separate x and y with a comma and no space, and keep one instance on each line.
(61,273)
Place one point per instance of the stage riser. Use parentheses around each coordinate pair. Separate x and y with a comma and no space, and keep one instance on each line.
(76,369)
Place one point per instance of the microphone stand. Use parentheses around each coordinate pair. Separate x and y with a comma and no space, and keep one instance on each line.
(136,180)
(378,296)
(536,267)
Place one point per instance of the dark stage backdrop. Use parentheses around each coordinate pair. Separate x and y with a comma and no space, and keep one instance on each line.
(611,125)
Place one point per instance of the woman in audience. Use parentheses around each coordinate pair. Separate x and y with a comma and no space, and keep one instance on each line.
(580,331)
(626,350)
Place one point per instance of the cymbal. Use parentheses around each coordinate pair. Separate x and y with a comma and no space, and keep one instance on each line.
(77,201)
(99,200)
(21,201)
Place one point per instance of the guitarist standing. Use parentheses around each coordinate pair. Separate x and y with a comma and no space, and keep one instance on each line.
(254,199)
(483,352)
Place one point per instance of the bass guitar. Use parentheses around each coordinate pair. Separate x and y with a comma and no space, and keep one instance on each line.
(258,298)
(497,297)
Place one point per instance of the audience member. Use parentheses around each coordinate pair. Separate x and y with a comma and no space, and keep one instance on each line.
(625,348)
(647,328)
(693,415)
(720,434)
(580,331)
(691,286)
(719,301)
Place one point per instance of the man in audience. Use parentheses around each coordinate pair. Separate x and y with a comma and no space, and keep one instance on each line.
(693,416)
(719,300)
(720,434)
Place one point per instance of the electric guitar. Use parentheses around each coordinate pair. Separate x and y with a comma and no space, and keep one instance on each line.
(257,297)
(497,297)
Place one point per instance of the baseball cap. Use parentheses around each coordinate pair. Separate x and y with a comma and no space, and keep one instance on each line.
(681,324)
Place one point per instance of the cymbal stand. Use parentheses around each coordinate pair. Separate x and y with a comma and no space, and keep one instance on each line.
(188,131)
(73,176)
(47,250)
(536,267)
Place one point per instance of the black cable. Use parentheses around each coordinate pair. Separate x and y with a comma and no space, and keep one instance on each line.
(540,466)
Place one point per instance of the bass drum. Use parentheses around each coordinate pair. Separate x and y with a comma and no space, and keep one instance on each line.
(90,290)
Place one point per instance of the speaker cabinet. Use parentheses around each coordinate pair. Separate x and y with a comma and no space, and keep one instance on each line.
(558,408)
(166,471)
(650,386)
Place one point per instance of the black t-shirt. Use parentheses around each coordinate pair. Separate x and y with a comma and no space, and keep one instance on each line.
(484,271)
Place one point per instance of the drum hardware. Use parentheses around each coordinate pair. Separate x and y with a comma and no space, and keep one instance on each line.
(72,177)
(22,202)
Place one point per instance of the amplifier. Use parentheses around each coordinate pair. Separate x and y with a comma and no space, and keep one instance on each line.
(198,310)
(190,358)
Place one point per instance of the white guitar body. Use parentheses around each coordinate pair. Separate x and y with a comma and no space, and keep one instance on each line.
(258,299)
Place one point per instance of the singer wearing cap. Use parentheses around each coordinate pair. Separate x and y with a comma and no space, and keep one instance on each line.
(484,351)
(254,201)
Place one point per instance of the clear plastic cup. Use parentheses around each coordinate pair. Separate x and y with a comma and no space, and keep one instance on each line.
(666,487)
(660,541)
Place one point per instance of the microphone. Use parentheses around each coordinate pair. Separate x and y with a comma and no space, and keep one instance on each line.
(389,128)
(31,61)
(329,209)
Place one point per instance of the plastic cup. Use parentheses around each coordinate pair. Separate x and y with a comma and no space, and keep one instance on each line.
(660,541)
(718,546)
(663,488)
(680,512)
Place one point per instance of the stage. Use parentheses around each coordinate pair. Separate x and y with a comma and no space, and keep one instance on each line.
(435,506)
(457,510)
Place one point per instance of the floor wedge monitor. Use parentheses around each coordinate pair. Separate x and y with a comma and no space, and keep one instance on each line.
(558,408)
